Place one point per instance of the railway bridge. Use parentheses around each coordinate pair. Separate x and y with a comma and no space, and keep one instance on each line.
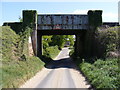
(62,24)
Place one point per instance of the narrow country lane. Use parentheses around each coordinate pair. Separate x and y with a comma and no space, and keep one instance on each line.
(60,73)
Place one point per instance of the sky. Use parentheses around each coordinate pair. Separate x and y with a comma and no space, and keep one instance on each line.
(11,10)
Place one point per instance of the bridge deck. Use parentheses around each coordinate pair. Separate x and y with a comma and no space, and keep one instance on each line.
(61,32)
(53,22)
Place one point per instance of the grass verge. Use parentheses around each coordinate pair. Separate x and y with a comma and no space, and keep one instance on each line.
(15,69)
(15,74)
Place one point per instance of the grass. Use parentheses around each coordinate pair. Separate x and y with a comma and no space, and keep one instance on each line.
(15,74)
(15,70)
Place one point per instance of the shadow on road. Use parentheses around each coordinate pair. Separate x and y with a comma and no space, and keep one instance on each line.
(61,63)
(64,63)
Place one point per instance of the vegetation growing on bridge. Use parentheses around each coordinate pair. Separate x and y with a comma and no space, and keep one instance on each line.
(95,18)
(29,18)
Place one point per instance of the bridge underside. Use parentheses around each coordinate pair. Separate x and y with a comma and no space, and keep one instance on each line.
(79,43)
(61,32)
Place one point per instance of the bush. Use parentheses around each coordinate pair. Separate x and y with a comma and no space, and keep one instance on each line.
(71,53)
(102,74)
(45,44)
(51,51)
(106,41)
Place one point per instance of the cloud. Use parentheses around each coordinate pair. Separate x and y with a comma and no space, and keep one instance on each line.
(110,17)
(80,11)
(73,12)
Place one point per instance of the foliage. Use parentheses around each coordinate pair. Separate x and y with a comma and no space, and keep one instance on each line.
(100,43)
(23,42)
(71,39)
(16,26)
(20,19)
(102,74)
(107,41)
(46,40)
(29,18)
(71,53)
(51,51)
(17,66)
(17,72)
(95,18)
(58,40)
(52,44)
(119,38)
(9,43)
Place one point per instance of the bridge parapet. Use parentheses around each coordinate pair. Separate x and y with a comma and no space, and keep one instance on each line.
(63,21)
(70,21)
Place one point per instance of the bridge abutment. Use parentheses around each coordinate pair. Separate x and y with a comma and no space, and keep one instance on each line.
(80,44)
(39,44)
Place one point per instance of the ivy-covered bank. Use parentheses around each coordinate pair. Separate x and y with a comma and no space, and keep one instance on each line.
(17,66)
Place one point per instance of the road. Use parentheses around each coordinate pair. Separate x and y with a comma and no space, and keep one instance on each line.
(60,73)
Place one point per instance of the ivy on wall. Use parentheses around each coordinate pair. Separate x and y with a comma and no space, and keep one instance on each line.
(16,26)
(24,29)
(95,18)
(29,18)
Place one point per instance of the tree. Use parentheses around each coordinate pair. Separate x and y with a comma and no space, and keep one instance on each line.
(58,40)
(70,38)
(20,19)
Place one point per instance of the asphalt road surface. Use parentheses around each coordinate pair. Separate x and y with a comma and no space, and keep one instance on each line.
(60,73)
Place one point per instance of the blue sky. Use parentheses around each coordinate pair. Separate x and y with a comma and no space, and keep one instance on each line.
(11,11)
